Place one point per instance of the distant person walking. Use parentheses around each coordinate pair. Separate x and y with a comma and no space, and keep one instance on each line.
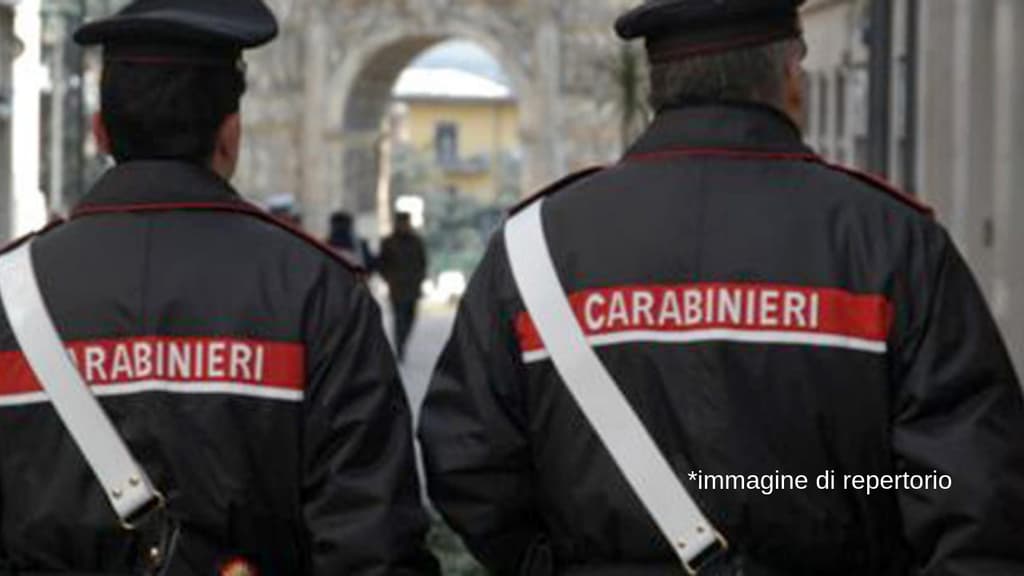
(403,265)
(347,242)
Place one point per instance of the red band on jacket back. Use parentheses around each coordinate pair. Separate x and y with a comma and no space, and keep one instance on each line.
(757,313)
(180,365)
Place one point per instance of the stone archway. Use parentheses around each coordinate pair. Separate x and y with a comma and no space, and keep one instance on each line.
(337,61)
(362,94)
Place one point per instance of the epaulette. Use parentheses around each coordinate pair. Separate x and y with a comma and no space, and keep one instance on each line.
(884,186)
(555,187)
(22,239)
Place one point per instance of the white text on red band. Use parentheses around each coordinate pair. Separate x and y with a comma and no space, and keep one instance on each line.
(740,312)
(696,307)
(171,360)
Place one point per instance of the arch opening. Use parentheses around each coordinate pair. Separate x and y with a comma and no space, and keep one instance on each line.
(433,125)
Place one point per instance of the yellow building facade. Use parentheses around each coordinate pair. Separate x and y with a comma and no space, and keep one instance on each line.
(469,130)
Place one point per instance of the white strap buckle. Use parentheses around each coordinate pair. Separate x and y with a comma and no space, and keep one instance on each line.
(146,513)
(717,548)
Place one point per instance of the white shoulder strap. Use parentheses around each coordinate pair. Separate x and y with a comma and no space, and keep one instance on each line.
(690,534)
(127,487)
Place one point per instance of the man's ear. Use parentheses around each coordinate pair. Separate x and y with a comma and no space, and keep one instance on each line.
(229,141)
(99,131)
(795,98)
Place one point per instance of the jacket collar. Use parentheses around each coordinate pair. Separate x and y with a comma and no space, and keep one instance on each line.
(153,183)
(721,127)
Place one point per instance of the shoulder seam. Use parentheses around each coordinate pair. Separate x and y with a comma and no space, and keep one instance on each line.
(882,185)
(309,239)
(556,186)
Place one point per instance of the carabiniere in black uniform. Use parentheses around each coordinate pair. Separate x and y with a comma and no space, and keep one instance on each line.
(763,311)
(244,365)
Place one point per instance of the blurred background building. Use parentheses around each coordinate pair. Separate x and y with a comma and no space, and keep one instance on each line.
(453,151)
(464,124)
(946,123)
(10,47)
(342,113)
(325,89)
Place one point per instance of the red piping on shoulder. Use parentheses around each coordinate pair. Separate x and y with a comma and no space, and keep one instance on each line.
(555,186)
(881,183)
(241,208)
(787,157)
(725,153)
(21,240)
(164,207)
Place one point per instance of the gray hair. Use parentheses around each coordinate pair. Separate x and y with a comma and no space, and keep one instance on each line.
(756,74)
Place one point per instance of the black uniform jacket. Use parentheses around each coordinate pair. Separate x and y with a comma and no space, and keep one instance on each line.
(762,311)
(245,367)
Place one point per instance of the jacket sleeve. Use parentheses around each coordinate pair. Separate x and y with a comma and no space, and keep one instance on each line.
(386,260)
(472,430)
(421,261)
(960,412)
(361,494)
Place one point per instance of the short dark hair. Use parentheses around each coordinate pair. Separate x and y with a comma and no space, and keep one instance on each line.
(167,111)
(753,74)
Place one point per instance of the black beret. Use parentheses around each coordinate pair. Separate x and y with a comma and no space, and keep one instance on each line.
(178,27)
(676,28)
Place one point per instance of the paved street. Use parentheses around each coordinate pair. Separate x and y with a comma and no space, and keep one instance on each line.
(429,337)
(433,326)
(432,329)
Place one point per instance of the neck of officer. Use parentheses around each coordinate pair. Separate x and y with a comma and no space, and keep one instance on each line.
(794,100)
(224,159)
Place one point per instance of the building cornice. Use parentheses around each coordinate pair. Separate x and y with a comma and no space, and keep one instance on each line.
(455,101)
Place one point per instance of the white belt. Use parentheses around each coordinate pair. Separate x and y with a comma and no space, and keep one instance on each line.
(126,485)
(678,517)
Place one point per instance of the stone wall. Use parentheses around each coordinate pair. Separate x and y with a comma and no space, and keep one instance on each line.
(318,95)
(7,53)
(970,130)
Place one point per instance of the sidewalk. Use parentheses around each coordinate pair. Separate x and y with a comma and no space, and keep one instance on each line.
(433,327)
(429,336)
